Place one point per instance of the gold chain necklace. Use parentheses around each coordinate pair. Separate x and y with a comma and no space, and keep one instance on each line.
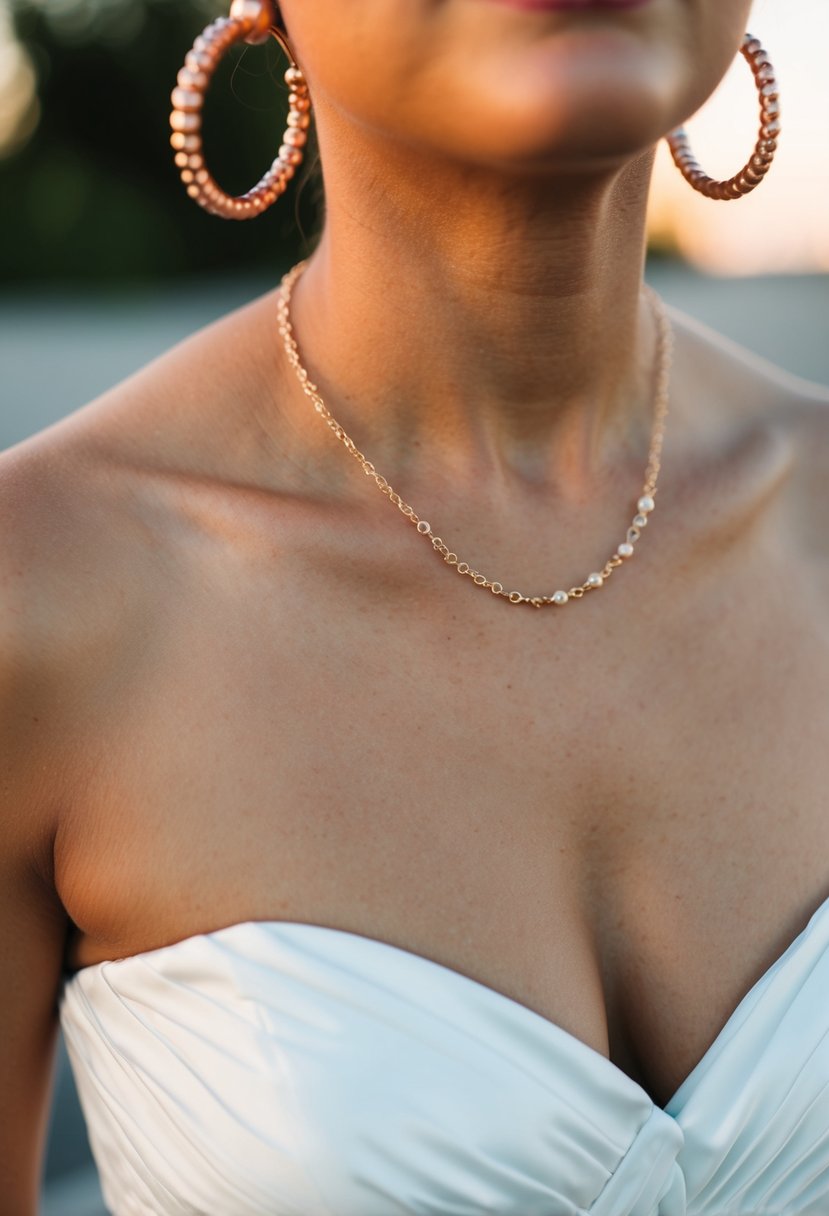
(643,507)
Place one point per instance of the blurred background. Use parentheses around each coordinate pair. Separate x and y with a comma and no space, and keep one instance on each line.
(104,261)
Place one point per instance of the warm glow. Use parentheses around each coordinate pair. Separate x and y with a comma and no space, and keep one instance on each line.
(784,224)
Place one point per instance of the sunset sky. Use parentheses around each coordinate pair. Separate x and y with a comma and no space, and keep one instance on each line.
(783,225)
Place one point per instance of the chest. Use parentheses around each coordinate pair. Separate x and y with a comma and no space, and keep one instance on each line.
(615,817)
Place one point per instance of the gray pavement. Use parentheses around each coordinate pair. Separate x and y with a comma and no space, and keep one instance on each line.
(58,350)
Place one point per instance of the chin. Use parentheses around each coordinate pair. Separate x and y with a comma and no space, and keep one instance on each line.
(583,100)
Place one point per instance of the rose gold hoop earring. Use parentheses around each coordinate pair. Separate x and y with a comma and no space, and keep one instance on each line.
(250,21)
(758,165)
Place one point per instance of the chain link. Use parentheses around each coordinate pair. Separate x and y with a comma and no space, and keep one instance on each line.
(645,503)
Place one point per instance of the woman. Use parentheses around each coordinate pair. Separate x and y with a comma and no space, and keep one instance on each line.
(386,894)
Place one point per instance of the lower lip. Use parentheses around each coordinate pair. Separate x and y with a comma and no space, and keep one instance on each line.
(555,6)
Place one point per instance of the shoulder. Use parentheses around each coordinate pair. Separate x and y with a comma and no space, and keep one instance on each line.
(755,385)
(67,547)
(36,688)
(45,642)
(75,495)
(98,509)
(53,528)
(41,619)
(782,418)
(36,545)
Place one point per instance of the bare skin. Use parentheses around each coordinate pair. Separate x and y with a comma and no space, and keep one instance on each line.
(238,686)
(285,707)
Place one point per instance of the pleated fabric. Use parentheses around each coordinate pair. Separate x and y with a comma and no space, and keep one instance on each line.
(273,1068)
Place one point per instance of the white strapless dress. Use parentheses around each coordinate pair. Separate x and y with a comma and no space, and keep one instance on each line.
(279,1069)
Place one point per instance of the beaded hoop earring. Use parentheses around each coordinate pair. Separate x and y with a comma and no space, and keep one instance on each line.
(758,165)
(252,21)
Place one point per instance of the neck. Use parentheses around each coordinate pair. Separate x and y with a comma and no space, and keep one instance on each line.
(502,334)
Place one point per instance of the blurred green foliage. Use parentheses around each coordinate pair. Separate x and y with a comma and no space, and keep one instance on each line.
(93,193)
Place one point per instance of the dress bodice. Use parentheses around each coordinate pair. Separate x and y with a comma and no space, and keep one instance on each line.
(275,1068)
